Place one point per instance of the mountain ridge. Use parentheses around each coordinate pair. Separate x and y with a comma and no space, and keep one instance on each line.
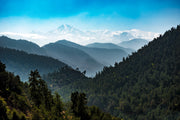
(20,62)
(85,58)
(109,46)
(74,57)
(145,85)
(81,36)
(103,55)
(20,44)
(134,43)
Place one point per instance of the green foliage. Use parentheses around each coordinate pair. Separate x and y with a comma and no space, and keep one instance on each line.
(96,114)
(34,101)
(144,86)
(2,67)
(58,105)
(21,62)
(36,115)
(81,110)
(35,86)
(3,115)
(78,107)
(26,98)
(15,116)
(43,99)
(62,77)
(11,88)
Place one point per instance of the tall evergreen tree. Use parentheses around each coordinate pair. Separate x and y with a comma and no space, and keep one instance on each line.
(35,87)
(3,115)
(78,107)
(58,105)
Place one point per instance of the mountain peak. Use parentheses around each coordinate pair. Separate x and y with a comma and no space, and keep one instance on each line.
(3,36)
(68,29)
(65,26)
(67,43)
(63,41)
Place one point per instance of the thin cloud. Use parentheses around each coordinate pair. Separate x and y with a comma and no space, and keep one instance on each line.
(81,37)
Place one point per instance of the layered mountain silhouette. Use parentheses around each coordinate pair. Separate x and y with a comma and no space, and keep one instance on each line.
(103,55)
(134,43)
(74,34)
(110,46)
(21,63)
(70,55)
(73,57)
(23,45)
(85,58)
(145,85)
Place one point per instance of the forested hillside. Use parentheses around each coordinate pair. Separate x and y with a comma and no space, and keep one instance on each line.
(33,100)
(146,85)
(23,45)
(21,62)
(64,76)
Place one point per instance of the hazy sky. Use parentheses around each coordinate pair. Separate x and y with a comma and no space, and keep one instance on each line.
(44,15)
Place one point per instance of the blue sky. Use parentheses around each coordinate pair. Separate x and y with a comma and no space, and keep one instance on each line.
(147,15)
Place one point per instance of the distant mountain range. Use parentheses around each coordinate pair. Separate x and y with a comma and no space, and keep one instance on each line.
(134,43)
(73,34)
(90,59)
(23,45)
(109,46)
(144,86)
(73,57)
(21,63)
(102,55)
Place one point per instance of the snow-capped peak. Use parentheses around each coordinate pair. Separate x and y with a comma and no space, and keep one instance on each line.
(65,27)
(73,34)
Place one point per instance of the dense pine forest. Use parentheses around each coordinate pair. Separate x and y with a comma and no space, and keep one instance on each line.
(145,85)
(33,100)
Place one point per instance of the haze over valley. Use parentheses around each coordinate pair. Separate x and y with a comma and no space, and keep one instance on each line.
(89,60)
(104,49)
